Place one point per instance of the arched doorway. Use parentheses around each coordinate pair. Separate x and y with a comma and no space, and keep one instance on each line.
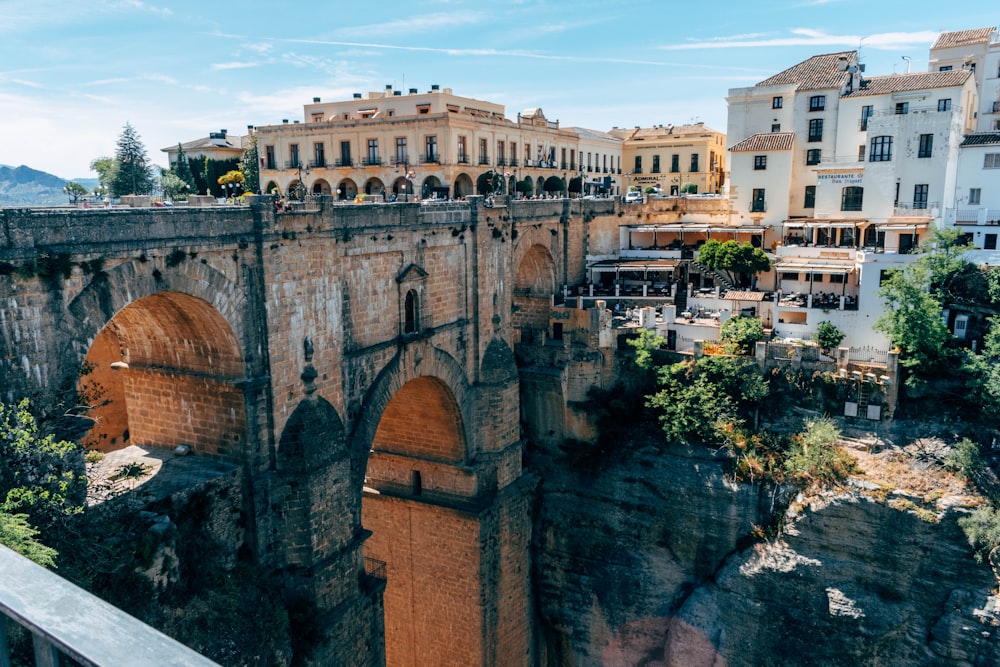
(432,188)
(321,187)
(166,370)
(463,186)
(534,284)
(271,188)
(540,186)
(415,503)
(374,186)
(347,189)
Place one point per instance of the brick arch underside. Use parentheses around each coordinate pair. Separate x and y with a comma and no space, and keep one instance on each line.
(182,383)
(422,421)
(534,284)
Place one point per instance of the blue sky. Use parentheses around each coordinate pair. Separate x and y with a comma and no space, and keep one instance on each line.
(73,73)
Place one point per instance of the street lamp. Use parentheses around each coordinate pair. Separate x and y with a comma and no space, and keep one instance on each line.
(301,185)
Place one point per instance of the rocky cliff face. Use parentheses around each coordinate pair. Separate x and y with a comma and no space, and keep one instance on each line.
(650,561)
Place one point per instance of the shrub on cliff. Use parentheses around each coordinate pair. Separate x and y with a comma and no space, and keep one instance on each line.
(814,457)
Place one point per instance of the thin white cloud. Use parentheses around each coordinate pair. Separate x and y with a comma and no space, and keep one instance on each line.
(142,6)
(25,82)
(809,37)
(416,25)
(233,65)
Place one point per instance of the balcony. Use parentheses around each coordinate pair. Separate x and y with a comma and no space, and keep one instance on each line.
(344,162)
(317,164)
(432,158)
(995,108)
(371,162)
(463,159)
(758,206)
(484,161)
(293,164)
(918,209)
(512,163)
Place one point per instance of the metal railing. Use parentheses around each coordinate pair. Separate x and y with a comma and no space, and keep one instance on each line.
(65,620)
(914,208)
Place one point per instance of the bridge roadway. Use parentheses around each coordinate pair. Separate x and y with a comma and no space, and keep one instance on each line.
(354,361)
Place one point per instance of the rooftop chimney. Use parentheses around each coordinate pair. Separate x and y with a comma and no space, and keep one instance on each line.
(315,100)
(357,96)
(413,91)
(434,86)
(396,93)
(284,120)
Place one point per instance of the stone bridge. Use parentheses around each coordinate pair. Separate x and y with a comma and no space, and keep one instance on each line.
(354,362)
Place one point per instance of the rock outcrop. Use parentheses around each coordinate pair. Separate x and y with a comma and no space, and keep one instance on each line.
(653,561)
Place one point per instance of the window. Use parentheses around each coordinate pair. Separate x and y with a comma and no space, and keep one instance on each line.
(776,102)
(991,161)
(293,155)
(401,157)
(319,156)
(972,67)
(759,162)
(944,105)
(810,199)
(881,150)
(423,109)
(656,164)
(372,152)
(851,198)
(463,151)
(675,163)
(431,148)
(990,242)
(861,153)
(816,129)
(837,277)
(757,203)
(484,155)
(902,108)
(866,113)
(786,275)
(920,195)
(776,127)
(694,162)
(637,169)
(944,68)
(974,195)
(926,145)
(817,102)
(411,313)
(501,157)
(345,153)
(812,156)
(269,156)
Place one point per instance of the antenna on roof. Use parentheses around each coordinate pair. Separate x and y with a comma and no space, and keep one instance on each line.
(907,59)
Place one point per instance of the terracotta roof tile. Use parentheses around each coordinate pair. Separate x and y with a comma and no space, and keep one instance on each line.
(896,83)
(815,73)
(769,141)
(963,37)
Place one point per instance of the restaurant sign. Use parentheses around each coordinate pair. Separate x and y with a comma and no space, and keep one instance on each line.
(843,178)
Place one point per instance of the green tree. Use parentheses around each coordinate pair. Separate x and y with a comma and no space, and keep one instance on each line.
(944,257)
(815,457)
(74,191)
(250,166)
(39,475)
(828,335)
(134,174)
(689,188)
(554,184)
(913,321)
(525,187)
(182,169)
(173,185)
(740,335)
(107,169)
(576,185)
(733,259)
(18,535)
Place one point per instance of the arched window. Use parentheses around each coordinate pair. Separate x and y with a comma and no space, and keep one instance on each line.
(851,198)
(411,313)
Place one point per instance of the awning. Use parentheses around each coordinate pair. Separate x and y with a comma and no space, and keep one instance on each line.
(613,265)
(901,226)
(840,224)
(814,267)
(743,295)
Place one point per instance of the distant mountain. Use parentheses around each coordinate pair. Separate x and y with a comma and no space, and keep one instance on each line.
(24,186)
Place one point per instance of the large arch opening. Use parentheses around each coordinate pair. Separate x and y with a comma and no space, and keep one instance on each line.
(166,370)
(417,505)
(534,285)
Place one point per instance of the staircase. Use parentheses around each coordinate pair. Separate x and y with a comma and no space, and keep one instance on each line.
(719,278)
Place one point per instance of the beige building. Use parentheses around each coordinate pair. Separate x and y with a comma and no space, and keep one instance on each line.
(417,145)
(668,157)
(216,146)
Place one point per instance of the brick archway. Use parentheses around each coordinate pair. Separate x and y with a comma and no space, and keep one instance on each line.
(161,361)
(534,285)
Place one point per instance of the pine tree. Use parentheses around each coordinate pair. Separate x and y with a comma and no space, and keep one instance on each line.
(135,174)
(250,166)
(182,169)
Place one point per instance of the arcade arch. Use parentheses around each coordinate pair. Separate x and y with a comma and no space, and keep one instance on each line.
(347,189)
(534,285)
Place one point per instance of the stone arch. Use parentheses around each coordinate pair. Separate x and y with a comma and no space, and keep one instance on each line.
(463,186)
(164,347)
(374,186)
(540,185)
(313,437)
(347,189)
(534,285)
(271,187)
(321,187)
(429,186)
